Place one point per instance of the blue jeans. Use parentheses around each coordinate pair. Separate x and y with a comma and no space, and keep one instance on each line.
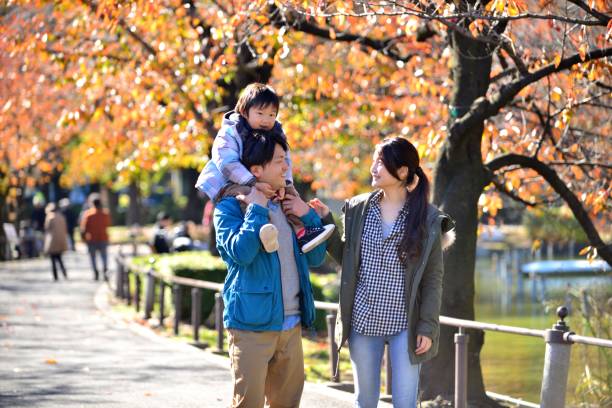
(101,248)
(366,359)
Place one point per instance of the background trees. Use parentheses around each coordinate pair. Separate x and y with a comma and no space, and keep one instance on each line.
(504,97)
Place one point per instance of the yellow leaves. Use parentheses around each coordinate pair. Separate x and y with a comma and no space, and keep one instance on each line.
(513,8)
(260,18)
(499,5)
(590,252)
(557,60)
(556,94)
(582,51)
(490,203)
(537,244)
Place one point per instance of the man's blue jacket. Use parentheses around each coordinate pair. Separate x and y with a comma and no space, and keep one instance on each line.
(252,292)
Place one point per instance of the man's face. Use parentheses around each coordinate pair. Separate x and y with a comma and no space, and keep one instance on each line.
(273,172)
(262,117)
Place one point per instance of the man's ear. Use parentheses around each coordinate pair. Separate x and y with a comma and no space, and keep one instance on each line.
(257,170)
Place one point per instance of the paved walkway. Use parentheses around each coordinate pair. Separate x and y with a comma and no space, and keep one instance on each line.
(57,349)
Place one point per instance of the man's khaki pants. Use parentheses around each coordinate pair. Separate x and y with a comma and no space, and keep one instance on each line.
(267,365)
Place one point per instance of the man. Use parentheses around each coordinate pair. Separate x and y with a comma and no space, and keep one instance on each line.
(161,241)
(94,226)
(266,295)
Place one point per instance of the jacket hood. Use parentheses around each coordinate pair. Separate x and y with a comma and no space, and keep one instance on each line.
(231,118)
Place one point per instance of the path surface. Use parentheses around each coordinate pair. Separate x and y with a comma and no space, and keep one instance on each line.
(57,349)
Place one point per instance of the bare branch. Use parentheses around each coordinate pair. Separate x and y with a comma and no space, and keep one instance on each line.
(411,11)
(580,163)
(78,54)
(551,177)
(600,16)
(484,108)
(499,185)
(383,45)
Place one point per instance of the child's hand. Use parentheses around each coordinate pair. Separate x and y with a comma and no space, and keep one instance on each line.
(321,209)
(254,197)
(265,188)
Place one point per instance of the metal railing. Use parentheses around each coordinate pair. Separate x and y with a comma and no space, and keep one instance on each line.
(558,340)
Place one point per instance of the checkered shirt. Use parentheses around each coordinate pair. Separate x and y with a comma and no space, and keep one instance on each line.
(380,300)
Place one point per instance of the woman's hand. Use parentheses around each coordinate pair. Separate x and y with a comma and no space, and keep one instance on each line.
(321,209)
(295,205)
(423,344)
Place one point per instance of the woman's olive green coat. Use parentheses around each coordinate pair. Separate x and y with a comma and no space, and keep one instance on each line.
(423,275)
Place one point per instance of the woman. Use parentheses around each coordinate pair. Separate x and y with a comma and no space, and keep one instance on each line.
(56,238)
(391,282)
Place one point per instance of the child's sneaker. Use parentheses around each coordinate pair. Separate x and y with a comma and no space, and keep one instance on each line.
(314,237)
(268,234)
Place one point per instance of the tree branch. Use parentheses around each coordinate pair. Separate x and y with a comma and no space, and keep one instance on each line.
(600,16)
(512,195)
(300,24)
(582,163)
(551,177)
(483,108)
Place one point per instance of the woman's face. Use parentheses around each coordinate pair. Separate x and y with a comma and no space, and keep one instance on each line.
(381,178)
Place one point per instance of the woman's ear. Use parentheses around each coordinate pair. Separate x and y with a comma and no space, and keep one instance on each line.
(402,172)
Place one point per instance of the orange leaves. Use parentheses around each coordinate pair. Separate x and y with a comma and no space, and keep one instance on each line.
(490,203)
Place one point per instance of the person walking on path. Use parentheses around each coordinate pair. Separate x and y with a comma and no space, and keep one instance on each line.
(266,294)
(71,219)
(94,225)
(391,282)
(56,238)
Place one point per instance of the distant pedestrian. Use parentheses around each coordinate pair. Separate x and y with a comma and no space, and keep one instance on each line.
(94,225)
(161,239)
(56,238)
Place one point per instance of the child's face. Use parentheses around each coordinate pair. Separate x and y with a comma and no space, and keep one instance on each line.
(262,117)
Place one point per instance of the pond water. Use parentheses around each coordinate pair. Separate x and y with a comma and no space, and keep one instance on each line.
(512,364)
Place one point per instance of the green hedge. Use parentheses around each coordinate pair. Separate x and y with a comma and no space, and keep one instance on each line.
(203,266)
(195,265)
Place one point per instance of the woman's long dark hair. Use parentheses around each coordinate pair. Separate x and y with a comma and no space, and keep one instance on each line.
(395,153)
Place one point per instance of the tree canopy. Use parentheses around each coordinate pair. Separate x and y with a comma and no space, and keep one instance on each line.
(502,97)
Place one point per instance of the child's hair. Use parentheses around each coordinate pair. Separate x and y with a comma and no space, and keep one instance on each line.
(258,148)
(395,153)
(256,94)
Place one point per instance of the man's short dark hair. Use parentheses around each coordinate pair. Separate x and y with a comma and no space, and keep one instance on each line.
(258,147)
(162,215)
(257,95)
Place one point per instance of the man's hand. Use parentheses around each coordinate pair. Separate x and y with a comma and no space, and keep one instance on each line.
(423,344)
(321,209)
(293,205)
(254,197)
(266,189)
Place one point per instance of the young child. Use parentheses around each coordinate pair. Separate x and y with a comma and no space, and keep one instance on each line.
(224,175)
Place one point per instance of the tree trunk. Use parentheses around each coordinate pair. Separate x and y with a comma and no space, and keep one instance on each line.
(195,203)
(458,183)
(3,219)
(134,213)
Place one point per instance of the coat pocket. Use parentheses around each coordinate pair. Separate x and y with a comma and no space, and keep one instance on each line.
(253,308)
